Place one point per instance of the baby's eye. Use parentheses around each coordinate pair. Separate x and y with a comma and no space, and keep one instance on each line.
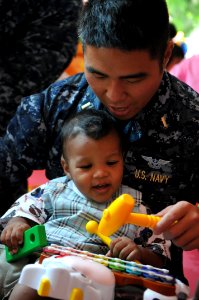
(111,163)
(85,166)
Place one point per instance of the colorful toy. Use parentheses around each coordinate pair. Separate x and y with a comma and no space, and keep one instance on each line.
(70,278)
(34,239)
(68,274)
(117,214)
(125,272)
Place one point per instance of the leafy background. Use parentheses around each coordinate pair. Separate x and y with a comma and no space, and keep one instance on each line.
(184,14)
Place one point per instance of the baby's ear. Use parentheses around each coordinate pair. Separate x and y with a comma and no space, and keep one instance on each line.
(65,166)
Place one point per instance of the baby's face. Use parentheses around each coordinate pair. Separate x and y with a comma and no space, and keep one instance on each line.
(96,166)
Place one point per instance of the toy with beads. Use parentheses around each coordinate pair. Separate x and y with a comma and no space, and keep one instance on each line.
(125,272)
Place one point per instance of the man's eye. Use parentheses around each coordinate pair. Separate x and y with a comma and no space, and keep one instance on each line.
(134,80)
(111,163)
(98,76)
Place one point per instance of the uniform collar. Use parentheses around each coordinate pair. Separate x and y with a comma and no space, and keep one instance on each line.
(159,103)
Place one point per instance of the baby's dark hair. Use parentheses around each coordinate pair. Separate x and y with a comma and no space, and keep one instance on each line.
(95,124)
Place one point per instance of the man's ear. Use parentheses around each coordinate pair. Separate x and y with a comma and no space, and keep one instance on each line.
(168,53)
(65,167)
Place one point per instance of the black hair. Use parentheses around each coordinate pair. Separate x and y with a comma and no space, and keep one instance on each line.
(172,30)
(177,52)
(126,24)
(95,124)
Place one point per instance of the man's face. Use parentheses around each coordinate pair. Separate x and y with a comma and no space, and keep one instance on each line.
(124,81)
(96,166)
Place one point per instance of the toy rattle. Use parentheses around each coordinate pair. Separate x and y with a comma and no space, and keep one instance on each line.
(116,215)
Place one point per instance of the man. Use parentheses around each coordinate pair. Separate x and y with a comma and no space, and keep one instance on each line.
(126,49)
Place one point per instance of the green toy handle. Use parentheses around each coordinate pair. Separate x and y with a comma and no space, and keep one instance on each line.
(34,240)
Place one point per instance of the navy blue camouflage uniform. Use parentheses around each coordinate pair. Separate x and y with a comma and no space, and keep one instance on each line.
(161,157)
(37,42)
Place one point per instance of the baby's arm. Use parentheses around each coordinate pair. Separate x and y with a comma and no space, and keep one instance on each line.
(12,234)
(125,248)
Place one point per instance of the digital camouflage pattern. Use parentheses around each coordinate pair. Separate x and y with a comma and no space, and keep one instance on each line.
(38,39)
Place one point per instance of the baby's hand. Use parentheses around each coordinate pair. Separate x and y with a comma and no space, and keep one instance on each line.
(124,248)
(12,235)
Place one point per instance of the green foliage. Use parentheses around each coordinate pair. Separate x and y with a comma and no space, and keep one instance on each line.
(184,14)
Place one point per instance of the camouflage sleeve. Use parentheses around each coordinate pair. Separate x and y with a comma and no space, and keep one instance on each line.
(32,140)
(25,141)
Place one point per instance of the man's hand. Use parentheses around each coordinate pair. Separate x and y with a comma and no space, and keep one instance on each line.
(12,235)
(124,248)
(180,223)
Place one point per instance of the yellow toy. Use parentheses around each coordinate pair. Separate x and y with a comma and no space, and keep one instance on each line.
(118,214)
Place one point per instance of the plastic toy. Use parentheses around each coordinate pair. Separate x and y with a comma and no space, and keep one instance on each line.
(118,214)
(158,282)
(70,278)
(81,275)
(34,239)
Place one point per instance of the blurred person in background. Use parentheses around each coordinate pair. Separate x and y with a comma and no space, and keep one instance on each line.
(176,57)
(38,39)
(188,71)
(179,48)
